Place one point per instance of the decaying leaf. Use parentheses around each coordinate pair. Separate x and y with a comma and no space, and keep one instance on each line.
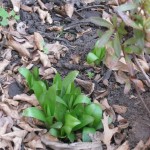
(120,109)
(138,83)
(17,142)
(87,85)
(19,48)
(39,41)
(87,1)
(139,146)
(108,133)
(35,144)
(124,146)
(21,27)
(44,15)
(8,111)
(26,98)
(41,4)
(44,59)
(16,5)
(3,65)
(69,8)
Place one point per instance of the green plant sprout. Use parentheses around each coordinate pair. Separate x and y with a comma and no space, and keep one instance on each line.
(5,16)
(64,109)
(90,74)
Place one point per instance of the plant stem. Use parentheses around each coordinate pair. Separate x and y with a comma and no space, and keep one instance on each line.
(142,70)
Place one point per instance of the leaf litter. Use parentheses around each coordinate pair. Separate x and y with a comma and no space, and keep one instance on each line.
(17,131)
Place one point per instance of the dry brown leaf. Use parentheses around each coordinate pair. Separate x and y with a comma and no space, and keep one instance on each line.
(138,83)
(139,146)
(16,5)
(35,144)
(144,65)
(87,1)
(124,146)
(26,8)
(3,65)
(44,59)
(4,127)
(120,109)
(27,127)
(9,101)
(4,144)
(8,111)
(69,9)
(147,145)
(123,123)
(26,98)
(108,133)
(44,15)
(56,49)
(41,4)
(19,48)
(17,143)
(87,85)
(39,41)
(21,28)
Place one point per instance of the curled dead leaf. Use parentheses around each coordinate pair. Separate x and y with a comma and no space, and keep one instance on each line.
(39,41)
(69,9)
(138,83)
(16,5)
(120,109)
(26,98)
(144,65)
(87,85)
(41,4)
(123,123)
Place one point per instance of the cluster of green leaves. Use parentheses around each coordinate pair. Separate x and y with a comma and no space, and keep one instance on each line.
(5,16)
(117,28)
(96,55)
(64,109)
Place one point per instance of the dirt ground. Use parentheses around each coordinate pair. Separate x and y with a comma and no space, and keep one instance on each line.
(138,117)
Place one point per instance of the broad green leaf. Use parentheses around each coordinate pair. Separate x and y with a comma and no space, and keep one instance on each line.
(104,38)
(60,112)
(4,22)
(3,13)
(85,134)
(57,125)
(27,75)
(91,58)
(70,123)
(54,132)
(50,99)
(100,22)
(69,79)
(85,120)
(34,113)
(117,45)
(95,111)
(100,52)
(35,72)
(71,137)
(81,99)
(60,100)
(17,17)
(126,7)
(58,81)
(79,109)
(133,49)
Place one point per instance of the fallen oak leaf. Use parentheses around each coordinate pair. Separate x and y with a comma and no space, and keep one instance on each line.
(108,133)
(26,98)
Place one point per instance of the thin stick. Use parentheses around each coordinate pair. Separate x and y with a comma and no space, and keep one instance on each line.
(142,100)
(142,70)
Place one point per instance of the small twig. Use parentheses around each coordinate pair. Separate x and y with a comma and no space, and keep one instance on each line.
(142,70)
(88,7)
(142,100)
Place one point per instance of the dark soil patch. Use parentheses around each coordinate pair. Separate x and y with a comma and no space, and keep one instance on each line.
(137,115)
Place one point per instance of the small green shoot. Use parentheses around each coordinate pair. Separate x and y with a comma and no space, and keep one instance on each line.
(5,16)
(64,109)
(90,74)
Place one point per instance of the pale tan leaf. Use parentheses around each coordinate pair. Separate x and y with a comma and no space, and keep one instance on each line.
(124,146)
(16,5)
(3,65)
(19,48)
(144,65)
(26,98)
(44,59)
(120,109)
(39,41)
(21,28)
(138,83)
(17,142)
(108,133)
(35,144)
(139,146)
(8,111)
(69,8)
(87,1)
(41,4)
